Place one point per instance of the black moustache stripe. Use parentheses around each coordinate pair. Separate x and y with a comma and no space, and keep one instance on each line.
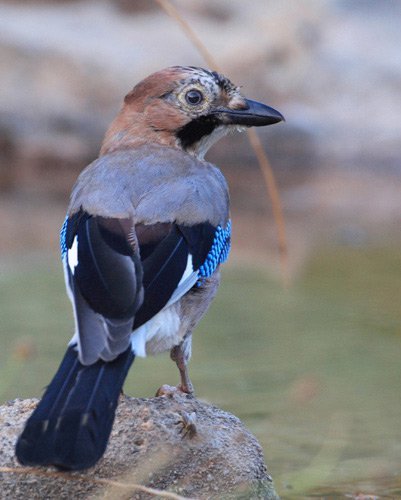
(193,131)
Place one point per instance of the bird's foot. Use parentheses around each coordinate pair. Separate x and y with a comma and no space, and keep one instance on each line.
(170,390)
(188,425)
(166,390)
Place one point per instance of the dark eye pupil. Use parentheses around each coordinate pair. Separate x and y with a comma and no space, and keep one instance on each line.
(193,97)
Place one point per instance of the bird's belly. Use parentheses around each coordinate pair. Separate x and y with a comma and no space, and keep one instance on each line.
(159,334)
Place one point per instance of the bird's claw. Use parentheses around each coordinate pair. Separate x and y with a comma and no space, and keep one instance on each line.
(188,425)
(170,390)
(166,390)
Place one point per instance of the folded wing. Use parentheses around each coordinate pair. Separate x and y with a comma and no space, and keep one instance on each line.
(121,274)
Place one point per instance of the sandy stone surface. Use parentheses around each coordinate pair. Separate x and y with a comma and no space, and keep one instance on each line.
(147,446)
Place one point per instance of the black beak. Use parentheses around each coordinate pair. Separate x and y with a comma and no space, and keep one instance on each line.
(255,114)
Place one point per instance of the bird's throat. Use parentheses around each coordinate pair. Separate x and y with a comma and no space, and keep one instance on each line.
(200,134)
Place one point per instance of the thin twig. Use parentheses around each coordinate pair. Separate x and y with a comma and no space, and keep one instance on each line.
(173,12)
(264,164)
(94,480)
(274,194)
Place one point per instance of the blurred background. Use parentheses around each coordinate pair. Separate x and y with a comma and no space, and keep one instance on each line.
(314,371)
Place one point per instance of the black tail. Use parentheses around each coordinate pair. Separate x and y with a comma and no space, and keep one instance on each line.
(71,425)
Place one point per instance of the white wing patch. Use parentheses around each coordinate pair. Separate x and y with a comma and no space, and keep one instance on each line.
(72,255)
(75,338)
(188,280)
(188,270)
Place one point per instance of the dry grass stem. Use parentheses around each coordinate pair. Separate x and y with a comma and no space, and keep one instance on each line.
(106,482)
(254,141)
(173,12)
(274,194)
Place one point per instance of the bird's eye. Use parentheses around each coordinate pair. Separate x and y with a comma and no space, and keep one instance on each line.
(194,97)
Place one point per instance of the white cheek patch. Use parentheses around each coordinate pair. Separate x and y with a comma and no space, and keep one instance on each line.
(72,255)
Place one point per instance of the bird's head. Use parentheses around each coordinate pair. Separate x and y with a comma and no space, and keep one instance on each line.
(185,107)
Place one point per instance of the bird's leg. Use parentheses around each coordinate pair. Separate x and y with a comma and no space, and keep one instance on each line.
(181,354)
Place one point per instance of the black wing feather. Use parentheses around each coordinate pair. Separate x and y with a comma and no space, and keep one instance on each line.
(108,273)
(199,239)
(164,266)
(162,271)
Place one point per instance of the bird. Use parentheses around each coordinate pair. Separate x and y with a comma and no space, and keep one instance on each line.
(147,228)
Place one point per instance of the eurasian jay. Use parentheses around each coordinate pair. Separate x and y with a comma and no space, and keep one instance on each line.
(147,228)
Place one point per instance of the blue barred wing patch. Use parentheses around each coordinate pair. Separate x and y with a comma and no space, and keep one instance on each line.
(218,252)
(63,238)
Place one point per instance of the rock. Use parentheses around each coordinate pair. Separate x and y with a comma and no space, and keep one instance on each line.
(147,446)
